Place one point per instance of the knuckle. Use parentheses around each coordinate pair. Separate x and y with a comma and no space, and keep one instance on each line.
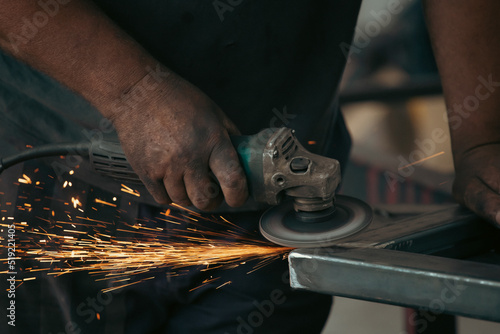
(196,168)
(217,137)
(207,196)
(234,181)
(202,203)
(221,145)
(211,190)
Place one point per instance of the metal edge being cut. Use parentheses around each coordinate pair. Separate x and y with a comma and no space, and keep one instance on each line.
(279,225)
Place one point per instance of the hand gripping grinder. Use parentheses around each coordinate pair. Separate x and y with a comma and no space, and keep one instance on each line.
(298,185)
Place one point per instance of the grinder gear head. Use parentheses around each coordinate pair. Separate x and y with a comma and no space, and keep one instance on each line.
(276,165)
(301,185)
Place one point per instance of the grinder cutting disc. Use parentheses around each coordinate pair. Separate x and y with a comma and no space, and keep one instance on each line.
(283,226)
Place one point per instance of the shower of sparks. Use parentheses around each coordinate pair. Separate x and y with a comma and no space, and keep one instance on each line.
(178,240)
(141,249)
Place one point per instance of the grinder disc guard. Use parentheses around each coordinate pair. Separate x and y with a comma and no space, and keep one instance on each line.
(283,226)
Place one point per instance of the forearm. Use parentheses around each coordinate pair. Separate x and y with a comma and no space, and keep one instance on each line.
(80,47)
(466,42)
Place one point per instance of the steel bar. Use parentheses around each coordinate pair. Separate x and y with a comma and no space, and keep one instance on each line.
(439,284)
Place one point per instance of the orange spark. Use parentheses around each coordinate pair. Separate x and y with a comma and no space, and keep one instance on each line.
(422,160)
(130,191)
(25,179)
(100,201)
(76,202)
(220,286)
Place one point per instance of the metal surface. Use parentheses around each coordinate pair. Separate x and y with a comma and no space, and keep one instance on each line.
(380,264)
(407,279)
(441,232)
(283,226)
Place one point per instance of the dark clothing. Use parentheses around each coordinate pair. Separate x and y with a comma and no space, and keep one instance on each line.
(264,56)
(266,64)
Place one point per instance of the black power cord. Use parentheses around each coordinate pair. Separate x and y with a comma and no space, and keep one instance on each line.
(51,150)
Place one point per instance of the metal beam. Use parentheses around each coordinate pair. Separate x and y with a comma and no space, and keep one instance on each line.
(413,280)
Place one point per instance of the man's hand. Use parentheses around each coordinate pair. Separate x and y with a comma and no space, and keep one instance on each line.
(477,181)
(174,139)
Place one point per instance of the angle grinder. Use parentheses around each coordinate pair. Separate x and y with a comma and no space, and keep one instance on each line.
(299,185)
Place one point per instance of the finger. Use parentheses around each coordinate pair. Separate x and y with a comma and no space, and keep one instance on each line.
(157,190)
(226,167)
(203,191)
(176,190)
(483,200)
(490,176)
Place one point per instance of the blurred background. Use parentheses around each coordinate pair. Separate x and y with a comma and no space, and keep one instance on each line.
(392,102)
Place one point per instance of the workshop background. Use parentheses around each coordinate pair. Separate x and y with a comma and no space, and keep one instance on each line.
(392,102)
